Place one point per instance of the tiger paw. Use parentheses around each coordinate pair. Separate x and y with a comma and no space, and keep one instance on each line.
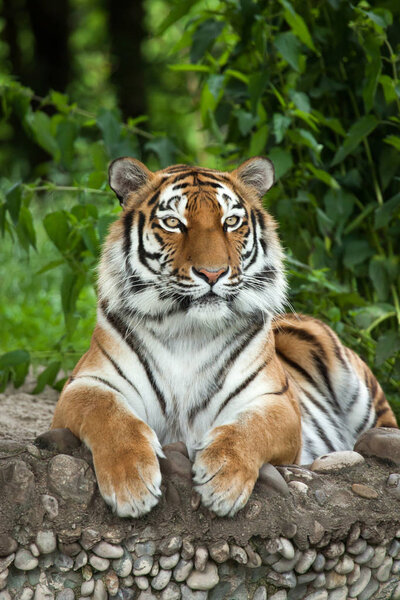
(224,477)
(129,477)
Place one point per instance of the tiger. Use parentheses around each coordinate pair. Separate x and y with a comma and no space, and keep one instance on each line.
(192,344)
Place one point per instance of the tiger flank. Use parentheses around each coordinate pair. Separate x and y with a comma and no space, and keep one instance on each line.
(191,344)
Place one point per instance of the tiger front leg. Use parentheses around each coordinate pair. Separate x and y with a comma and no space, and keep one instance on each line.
(124,447)
(227,466)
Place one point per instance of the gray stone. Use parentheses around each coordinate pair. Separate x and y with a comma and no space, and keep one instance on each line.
(382,442)
(283,565)
(66,594)
(171,545)
(337,461)
(383,572)
(219,551)
(369,590)
(366,556)
(89,538)
(320,497)
(25,561)
(334,580)
(395,567)
(112,583)
(183,570)
(319,595)
(305,561)
(362,582)
(394,548)
(306,577)
(80,560)
(188,594)
(338,594)
(155,569)
(128,581)
(319,581)
(298,487)
(7,545)
(42,592)
(354,534)
(160,581)
(260,593)
(238,554)
(122,566)
(98,563)
(146,595)
(319,563)
(71,478)
(6,562)
(18,482)
(286,548)
(147,548)
(50,505)
(354,575)
(187,551)
(5,595)
(46,541)
(358,547)
(317,533)
(87,587)
(200,558)
(63,562)
(281,595)
(345,566)
(142,582)
(171,592)
(100,592)
(204,580)
(378,558)
(282,579)
(272,481)
(143,565)
(34,549)
(3,579)
(396,593)
(106,550)
(169,562)
(27,594)
(254,559)
(331,564)
(334,550)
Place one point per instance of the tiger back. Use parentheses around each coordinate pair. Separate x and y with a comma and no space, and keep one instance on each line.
(191,344)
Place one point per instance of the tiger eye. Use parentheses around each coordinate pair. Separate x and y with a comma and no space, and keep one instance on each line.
(232,221)
(171,222)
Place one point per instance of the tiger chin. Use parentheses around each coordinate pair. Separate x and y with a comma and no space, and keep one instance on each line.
(191,344)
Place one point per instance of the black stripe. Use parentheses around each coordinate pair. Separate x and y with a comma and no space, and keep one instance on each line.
(242,386)
(134,344)
(128,218)
(103,381)
(267,275)
(154,198)
(223,372)
(299,369)
(255,245)
(143,255)
(319,429)
(116,366)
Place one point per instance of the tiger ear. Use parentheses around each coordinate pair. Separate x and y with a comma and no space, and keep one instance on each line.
(127,175)
(258,172)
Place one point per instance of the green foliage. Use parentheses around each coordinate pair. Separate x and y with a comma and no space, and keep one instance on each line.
(314,86)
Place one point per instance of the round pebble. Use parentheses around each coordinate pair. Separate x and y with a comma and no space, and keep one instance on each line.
(383,572)
(98,563)
(171,592)
(171,545)
(100,592)
(142,583)
(112,583)
(204,580)
(364,491)
(7,545)
(362,582)
(46,541)
(286,548)
(260,593)
(25,561)
(183,570)
(336,461)
(345,566)
(305,561)
(201,558)
(238,554)
(106,550)
(161,580)
(143,565)
(87,587)
(122,566)
(169,562)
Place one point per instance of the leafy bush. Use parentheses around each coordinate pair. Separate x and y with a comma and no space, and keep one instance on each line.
(314,87)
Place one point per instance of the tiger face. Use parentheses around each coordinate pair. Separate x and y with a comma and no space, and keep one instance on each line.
(193,241)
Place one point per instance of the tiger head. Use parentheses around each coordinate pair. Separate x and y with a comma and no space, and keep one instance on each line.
(192,241)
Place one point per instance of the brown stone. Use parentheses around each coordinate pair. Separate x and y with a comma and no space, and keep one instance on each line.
(59,440)
(71,478)
(176,463)
(364,490)
(7,545)
(177,447)
(381,442)
(18,480)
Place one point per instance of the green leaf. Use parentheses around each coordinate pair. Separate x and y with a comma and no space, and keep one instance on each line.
(387,346)
(58,229)
(47,376)
(356,252)
(393,140)
(372,71)
(26,226)
(379,277)
(189,67)
(175,13)
(71,287)
(13,201)
(280,126)
(297,25)
(258,141)
(289,47)
(384,213)
(40,125)
(66,134)
(14,358)
(165,149)
(246,121)
(324,176)
(282,160)
(110,128)
(51,265)
(204,37)
(361,128)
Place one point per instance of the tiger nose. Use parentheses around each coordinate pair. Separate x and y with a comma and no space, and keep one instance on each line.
(211,276)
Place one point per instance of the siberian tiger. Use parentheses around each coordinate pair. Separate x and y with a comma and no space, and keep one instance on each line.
(191,344)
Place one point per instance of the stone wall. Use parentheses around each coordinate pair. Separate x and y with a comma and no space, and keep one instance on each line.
(327,532)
